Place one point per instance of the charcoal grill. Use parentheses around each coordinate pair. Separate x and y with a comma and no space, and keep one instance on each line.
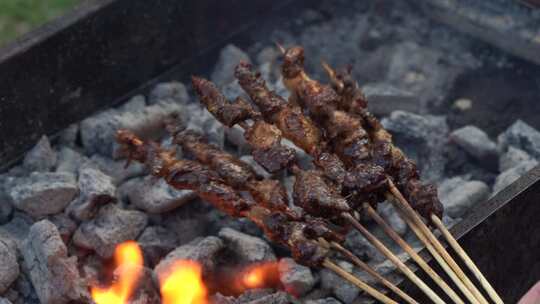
(107,50)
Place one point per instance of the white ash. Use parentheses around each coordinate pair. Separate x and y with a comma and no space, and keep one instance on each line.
(512,158)
(459,195)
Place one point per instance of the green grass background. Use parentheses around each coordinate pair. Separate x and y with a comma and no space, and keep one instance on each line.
(19,16)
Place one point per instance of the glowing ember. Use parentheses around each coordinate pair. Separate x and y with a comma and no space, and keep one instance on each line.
(128,259)
(183,284)
(261,275)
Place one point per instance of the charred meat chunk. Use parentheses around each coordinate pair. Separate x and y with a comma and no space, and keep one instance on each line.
(228,113)
(313,194)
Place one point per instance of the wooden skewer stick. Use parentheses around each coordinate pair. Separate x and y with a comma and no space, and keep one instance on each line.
(365,267)
(472,266)
(357,282)
(413,254)
(394,259)
(410,213)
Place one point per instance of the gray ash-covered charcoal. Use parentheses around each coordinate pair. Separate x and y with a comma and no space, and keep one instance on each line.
(342,289)
(173,91)
(155,195)
(42,193)
(68,137)
(4,301)
(98,131)
(390,214)
(109,228)
(156,242)
(224,69)
(117,168)
(53,273)
(422,138)
(247,248)
(511,175)
(297,279)
(203,250)
(41,158)
(70,160)
(96,189)
(9,267)
(384,98)
(522,136)
(513,157)
(324,301)
(65,225)
(459,195)
(279,297)
(477,143)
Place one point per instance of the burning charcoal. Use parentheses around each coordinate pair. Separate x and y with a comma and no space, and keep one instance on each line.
(522,136)
(69,160)
(43,193)
(511,175)
(156,196)
(247,248)
(224,69)
(111,227)
(342,289)
(202,250)
(145,290)
(156,242)
(392,217)
(41,158)
(297,279)
(117,168)
(513,157)
(9,267)
(54,275)
(66,226)
(173,91)
(477,143)
(423,139)
(96,189)
(459,195)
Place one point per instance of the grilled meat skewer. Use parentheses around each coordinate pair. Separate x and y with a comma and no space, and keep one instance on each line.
(299,236)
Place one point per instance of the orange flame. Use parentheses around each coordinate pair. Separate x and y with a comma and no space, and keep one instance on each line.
(128,259)
(183,284)
(261,275)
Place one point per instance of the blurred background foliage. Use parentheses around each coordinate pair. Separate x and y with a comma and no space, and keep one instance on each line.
(20,16)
